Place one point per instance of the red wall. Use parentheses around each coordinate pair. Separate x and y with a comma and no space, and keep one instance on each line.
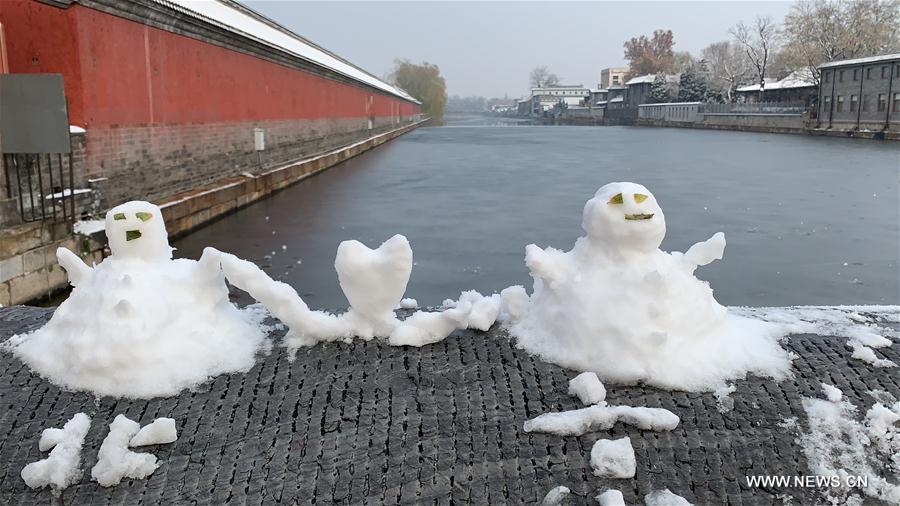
(119,72)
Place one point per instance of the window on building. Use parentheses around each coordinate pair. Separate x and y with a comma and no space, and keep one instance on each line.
(869,73)
(883,71)
(854,102)
(896,102)
(865,104)
(828,76)
(897,74)
(840,103)
(855,74)
(882,102)
(841,76)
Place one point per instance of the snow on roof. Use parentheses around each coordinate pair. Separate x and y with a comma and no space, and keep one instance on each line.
(237,19)
(796,79)
(857,61)
(649,78)
(617,99)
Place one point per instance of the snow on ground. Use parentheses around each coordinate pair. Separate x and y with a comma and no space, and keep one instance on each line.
(140,324)
(611,497)
(837,444)
(588,388)
(832,393)
(601,417)
(115,461)
(160,431)
(619,306)
(613,458)
(556,496)
(88,227)
(664,497)
(724,402)
(62,467)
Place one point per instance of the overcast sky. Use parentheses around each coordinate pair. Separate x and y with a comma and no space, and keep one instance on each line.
(489,48)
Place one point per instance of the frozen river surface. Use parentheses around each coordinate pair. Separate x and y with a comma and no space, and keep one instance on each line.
(808,220)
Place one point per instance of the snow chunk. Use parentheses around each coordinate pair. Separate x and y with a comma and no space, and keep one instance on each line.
(115,461)
(724,403)
(613,458)
(588,388)
(618,305)
(140,324)
(664,498)
(611,497)
(836,444)
(161,431)
(514,302)
(484,309)
(555,496)
(867,355)
(833,394)
(593,418)
(61,468)
(423,327)
(409,303)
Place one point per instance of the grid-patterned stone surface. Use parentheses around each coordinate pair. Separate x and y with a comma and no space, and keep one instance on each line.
(365,423)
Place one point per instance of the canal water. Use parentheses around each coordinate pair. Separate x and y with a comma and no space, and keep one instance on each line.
(808,220)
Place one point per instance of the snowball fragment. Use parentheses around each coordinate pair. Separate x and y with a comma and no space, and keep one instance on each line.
(611,497)
(409,303)
(664,497)
(160,431)
(613,458)
(61,468)
(588,388)
(555,496)
(115,461)
(581,421)
(724,402)
(424,327)
(833,394)
(484,309)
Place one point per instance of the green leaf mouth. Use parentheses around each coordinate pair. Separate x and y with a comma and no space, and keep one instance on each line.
(639,216)
(131,235)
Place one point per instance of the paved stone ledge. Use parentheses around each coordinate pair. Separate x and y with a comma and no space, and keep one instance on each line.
(366,423)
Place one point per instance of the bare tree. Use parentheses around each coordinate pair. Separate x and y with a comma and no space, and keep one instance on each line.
(728,67)
(541,77)
(819,31)
(759,43)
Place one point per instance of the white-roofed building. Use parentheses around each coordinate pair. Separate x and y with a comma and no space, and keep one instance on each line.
(798,86)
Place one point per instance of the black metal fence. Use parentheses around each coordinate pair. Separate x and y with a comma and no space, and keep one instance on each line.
(756,108)
(43,185)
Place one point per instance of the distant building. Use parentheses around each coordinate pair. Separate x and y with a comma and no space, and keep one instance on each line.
(639,88)
(544,99)
(860,94)
(798,86)
(523,107)
(612,76)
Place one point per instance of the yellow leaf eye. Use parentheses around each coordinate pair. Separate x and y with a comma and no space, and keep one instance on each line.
(143,216)
(639,197)
(616,199)
(119,216)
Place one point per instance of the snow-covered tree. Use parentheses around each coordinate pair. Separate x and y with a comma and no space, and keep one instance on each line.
(760,43)
(660,90)
(692,86)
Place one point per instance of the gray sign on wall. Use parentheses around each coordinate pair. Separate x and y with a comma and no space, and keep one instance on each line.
(33,114)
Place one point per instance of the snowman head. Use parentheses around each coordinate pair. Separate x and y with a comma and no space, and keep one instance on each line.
(625,217)
(136,230)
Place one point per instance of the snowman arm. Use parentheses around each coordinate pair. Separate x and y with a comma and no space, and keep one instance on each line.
(75,267)
(541,264)
(707,251)
(211,260)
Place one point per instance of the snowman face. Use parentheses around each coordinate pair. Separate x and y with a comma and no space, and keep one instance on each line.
(625,216)
(136,230)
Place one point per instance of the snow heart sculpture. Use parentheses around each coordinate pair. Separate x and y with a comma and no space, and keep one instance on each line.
(140,324)
(619,306)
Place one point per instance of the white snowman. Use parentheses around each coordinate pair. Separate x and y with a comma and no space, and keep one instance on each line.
(140,324)
(618,305)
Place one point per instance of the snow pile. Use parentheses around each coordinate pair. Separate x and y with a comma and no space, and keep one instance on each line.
(613,458)
(664,497)
(374,281)
(140,324)
(858,324)
(160,431)
(588,388)
(602,417)
(838,445)
(619,306)
(611,497)
(61,468)
(484,312)
(832,393)
(555,496)
(115,461)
